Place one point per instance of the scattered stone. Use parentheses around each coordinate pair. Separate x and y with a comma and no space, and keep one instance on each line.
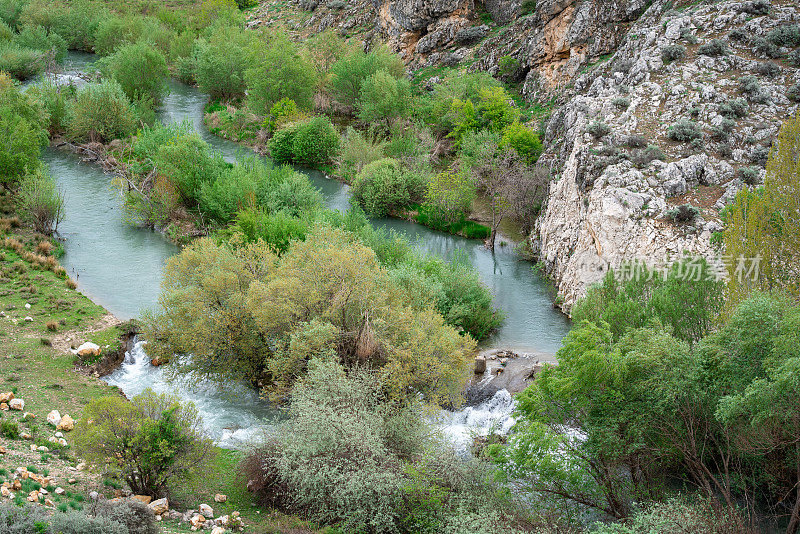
(28,319)
(88,349)
(27,306)
(33,496)
(146,499)
(7,396)
(48,502)
(71,481)
(28,415)
(5,492)
(81,466)
(54,418)
(42,448)
(17,404)
(219,497)
(207,511)
(197,521)
(480,364)
(93,495)
(25,435)
(59,491)
(3,450)
(4,406)
(59,435)
(66,424)
(159,506)
(218,530)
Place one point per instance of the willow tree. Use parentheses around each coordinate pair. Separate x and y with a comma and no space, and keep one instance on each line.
(762,238)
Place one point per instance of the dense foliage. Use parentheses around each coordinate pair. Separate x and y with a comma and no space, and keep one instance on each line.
(149,440)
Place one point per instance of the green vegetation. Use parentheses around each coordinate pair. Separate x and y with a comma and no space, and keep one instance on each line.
(149,440)
(383,187)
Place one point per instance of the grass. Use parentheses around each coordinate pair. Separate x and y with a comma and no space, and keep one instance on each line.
(222,476)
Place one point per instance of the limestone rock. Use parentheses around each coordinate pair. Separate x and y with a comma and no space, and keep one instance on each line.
(66,424)
(159,506)
(219,497)
(88,349)
(207,511)
(17,404)
(146,499)
(54,418)
(7,396)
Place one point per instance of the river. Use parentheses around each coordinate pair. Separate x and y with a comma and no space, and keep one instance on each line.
(120,267)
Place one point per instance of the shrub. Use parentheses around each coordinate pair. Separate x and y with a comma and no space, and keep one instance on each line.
(384,98)
(749,175)
(756,7)
(523,140)
(739,35)
(21,63)
(38,38)
(722,131)
(621,102)
(759,155)
(765,48)
(598,129)
(382,187)
(672,53)
(277,230)
(794,58)
(312,142)
(101,112)
(348,74)
(767,69)
(496,108)
(451,193)
(713,48)
(42,201)
(10,430)
(751,87)
(221,60)
(676,517)
(151,440)
(733,109)
(134,515)
(357,151)
(140,69)
(684,131)
(115,32)
(636,141)
(54,99)
(683,214)
(793,93)
(20,145)
(787,35)
(78,523)
(282,72)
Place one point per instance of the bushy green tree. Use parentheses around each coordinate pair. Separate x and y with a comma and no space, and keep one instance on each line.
(76,22)
(282,71)
(115,32)
(101,112)
(384,98)
(312,142)
(348,74)
(231,313)
(688,297)
(762,226)
(150,440)
(523,140)
(22,132)
(450,193)
(41,200)
(220,62)
(140,69)
(383,186)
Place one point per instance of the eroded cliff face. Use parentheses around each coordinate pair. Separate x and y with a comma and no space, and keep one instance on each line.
(548,46)
(610,201)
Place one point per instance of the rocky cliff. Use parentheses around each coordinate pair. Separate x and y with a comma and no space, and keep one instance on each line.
(651,145)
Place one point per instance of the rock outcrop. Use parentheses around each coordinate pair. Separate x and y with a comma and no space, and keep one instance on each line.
(619,173)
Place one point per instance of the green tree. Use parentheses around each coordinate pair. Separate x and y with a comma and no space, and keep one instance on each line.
(282,72)
(140,69)
(41,200)
(348,74)
(101,112)
(221,60)
(384,98)
(151,440)
(451,193)
(765,224)
(688,298)
(383,186)
(22,132)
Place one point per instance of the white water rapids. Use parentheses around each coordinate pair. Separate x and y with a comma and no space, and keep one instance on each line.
(234,419)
